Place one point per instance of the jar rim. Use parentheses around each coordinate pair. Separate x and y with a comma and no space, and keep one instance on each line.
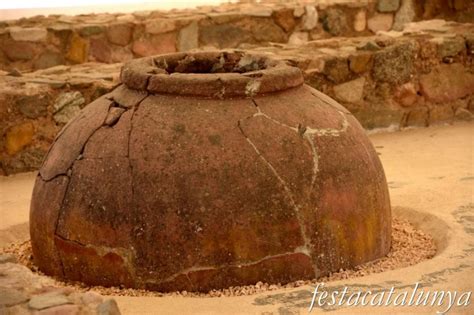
(216,74)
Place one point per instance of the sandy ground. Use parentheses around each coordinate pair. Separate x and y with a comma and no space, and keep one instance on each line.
(15,194)
(431,178)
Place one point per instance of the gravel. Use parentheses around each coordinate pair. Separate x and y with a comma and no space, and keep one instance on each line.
(409,247)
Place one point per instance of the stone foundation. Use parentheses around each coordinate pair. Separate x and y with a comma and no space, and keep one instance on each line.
(42,42)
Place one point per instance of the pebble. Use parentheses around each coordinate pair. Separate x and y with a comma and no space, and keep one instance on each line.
(310,20)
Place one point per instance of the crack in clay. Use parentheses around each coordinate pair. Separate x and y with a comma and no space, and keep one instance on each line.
(135,109)
(55,176)
(302,132)
(81,151)
(332,132)
(56,224)
(307,133)
(187,271)
(124,253)
(296,207)
(131,269)
(69,174)
(260,113)
(101,250)
(315,158)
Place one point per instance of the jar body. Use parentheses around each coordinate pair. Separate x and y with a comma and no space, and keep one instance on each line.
(168,192)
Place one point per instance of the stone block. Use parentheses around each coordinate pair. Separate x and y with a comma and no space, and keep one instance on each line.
(298,38)
(49,59)
(360,62)
(108,307)
(18,137)
(394,64)
(188,37)
(285,19)
(88,30)
(67,105)
(29,34)
(380,22)
(440,113)
(388,5)
(155,44)
(33,106)
(17,51)
(7,258)
(100,50)
(335,22)
(447,83)
(406,94)
(337,69)
(43,301)
(120,33)
(360,21)
(418,116)
(10,297)
(350,92)
(404,15)
(451,46)
(310,19)
(463,114)
(160,26)
(78,49)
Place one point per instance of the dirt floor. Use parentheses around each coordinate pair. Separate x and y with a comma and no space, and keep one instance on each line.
(431,178)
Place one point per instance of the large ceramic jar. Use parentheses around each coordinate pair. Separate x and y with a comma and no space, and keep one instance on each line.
(208,170)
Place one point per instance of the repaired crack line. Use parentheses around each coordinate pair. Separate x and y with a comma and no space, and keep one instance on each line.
(81,151)
(125,254)
(187,271)
(307,133)
(132,270)
(302,131)
(307,242)
(69,175)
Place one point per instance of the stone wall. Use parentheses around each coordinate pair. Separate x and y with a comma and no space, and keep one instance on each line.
(35,106)
(421,76)
(42,42)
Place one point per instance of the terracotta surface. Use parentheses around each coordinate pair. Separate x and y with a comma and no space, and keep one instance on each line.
(209,170)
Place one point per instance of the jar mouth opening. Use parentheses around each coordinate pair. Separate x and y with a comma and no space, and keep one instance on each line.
(211,74)
(225,62)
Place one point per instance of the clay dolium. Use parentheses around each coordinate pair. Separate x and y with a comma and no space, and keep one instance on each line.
(208,170)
